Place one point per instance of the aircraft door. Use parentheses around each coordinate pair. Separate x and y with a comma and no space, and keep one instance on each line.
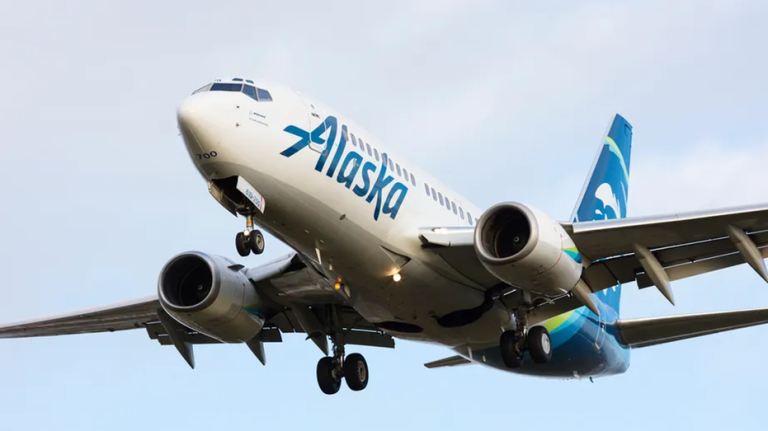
(316,118)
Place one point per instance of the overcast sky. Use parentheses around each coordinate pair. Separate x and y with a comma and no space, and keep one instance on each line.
(500,99)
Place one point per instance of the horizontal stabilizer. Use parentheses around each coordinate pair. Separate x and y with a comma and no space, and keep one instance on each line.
(448,362)
(659,330)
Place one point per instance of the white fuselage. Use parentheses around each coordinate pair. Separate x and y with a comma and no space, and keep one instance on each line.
(336,216)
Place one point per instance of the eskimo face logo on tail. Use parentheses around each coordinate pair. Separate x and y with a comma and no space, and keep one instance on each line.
(376,184)
(607,206)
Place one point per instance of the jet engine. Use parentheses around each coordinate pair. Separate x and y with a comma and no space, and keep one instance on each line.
(211,295)
(525,248)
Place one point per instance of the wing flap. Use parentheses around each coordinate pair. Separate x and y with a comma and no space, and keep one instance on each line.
(638,333)
(679,262)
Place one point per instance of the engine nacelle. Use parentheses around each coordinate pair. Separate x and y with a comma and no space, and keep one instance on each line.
(212,296)
(525,248)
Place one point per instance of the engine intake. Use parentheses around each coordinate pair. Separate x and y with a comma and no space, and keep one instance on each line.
(508,234)
(525,248)
(211,295)
(187,282)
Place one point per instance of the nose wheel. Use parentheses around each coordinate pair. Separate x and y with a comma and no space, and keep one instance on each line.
(250,240)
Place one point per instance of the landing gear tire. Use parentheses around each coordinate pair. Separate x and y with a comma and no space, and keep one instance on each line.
(327,377)
(356,372)
(241,243)
(511,347)
(256,242)
(539,344)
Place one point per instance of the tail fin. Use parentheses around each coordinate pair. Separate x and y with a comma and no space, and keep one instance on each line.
(605,192)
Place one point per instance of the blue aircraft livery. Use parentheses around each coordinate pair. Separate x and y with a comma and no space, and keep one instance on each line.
(376,184)
(579,330)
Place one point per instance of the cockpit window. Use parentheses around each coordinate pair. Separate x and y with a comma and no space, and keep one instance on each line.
(250,90)
(263,95)
(225,86)
(203,88)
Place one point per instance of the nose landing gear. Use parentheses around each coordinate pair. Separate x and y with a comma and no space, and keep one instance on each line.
(250,240)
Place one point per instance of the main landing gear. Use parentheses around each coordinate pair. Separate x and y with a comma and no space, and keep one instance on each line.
(332,369)
(514,343)
(250,240)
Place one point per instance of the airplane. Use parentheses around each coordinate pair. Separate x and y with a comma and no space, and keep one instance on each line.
(381,251)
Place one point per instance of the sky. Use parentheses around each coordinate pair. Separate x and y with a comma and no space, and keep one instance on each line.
(502,100)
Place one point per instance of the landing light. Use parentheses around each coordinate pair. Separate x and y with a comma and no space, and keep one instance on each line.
(440,230)
(337,285)
(396,277)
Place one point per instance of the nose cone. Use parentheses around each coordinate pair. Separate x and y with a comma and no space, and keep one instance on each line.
(197,122)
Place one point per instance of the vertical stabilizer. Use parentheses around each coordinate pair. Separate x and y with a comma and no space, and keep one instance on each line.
(605,192)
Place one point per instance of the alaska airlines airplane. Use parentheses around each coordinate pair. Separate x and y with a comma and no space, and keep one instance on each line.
(383,250)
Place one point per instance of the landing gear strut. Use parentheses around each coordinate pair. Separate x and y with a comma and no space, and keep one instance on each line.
(332,369)
(514,343)
(250,240)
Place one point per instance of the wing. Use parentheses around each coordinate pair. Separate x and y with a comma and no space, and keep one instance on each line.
(683,245)
(302,304)
(121,316)
(648,250)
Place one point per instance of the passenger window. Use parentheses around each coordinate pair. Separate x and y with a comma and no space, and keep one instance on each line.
(391,165)
(453,207)
(384,158)
(250,91)
(345,134)
(354,141)
(461,212)
(263,95)
(405,174)
(434,195)
(440,196)
(426,188)
(413,180)
(447,203)
(368,147)
(469,217)
(399,172)
(224,86)
(376,154)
